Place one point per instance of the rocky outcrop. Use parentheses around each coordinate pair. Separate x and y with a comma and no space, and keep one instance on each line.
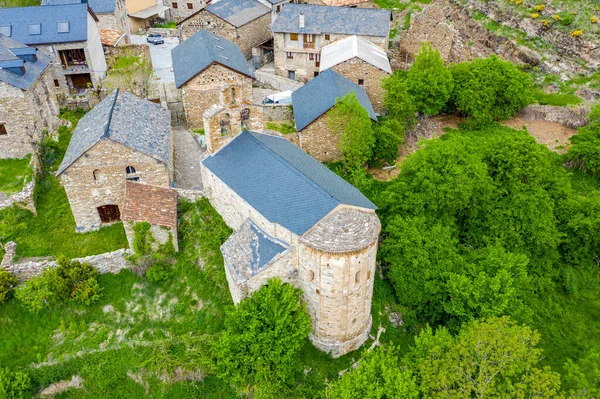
(569,117)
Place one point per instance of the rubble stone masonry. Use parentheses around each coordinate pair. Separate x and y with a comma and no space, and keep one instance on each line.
(318,141)
(98,178)
(356,70)
(25,114)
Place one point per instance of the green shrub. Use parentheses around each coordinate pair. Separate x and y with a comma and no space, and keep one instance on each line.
(489,89)
(142,238)
(584,154)
(14,385)
(389,135)
(36,293)
(8,282)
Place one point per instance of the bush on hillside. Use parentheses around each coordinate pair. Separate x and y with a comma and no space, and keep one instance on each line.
(8,282)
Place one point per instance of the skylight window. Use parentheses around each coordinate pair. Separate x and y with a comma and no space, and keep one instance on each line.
(35,29)
(5,30)
(63,27)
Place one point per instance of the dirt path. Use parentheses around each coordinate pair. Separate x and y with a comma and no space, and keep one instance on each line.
(551,134)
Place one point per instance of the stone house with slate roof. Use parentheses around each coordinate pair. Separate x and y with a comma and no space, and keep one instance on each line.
(302,30)
(361,62)
(295,219)
(311,103)
(123,138)
(111,14)
(213,74)
(246,23)
(27,99)
(68,33)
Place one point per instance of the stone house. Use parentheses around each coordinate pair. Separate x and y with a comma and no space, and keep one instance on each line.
(180,9)
(246,23)
(311,103)
(343,3)
(361,62)
(143,13)
(154,205)
(111,14)
(68,33)
(295,219)
(124,138)
(27,98)
(302,30)
(211,70)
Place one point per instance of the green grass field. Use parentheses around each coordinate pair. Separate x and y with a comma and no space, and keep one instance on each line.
(14,174)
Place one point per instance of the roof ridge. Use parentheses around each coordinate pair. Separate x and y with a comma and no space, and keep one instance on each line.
(110,114)
(290,166)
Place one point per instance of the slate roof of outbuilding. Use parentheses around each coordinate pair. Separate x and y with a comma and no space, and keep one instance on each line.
(339,20)
(282,182)
(318,96)
(98,6)
(354,46)
(249,249)
(20,18)
(9,49)
(152,204)
(238,12)
(201,50)
(123,118)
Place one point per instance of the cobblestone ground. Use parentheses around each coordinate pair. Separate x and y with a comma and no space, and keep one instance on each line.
(187,160)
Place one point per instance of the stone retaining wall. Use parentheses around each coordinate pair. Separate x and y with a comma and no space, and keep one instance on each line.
(23,197)
(190,195)
(165,32)
(569,117)
(110,262)
(277,82)
(278,112)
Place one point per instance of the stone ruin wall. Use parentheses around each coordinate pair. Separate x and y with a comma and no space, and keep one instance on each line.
(210,22)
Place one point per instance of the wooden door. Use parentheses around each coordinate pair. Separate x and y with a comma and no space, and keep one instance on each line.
(81,81)
(109,213)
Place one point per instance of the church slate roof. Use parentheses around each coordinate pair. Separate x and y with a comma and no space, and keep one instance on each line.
(13,52)
(201,50)
(318,96)
(282,182)
(340,20)
(20,18)
(123,118)
(249,249)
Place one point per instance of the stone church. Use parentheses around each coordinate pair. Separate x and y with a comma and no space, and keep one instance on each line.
(296,220)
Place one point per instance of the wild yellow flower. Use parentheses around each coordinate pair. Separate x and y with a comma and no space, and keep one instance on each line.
(576,33)
(517,2)
(546,23)
(556,17)
(594,19)
(535,15)
(539,7)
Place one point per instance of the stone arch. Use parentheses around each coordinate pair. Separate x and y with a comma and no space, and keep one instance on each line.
(99,176)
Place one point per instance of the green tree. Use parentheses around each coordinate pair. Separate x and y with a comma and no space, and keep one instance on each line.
(389,135)
(352,124)
(262,338)
(398,103)
(495,358)
(489,89)
(379,375)
(429,82)
(8,282)
(74,280)
(584,154)
(14,385)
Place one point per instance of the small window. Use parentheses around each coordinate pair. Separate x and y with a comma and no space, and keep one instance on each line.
(35,29)
(5,30)
(129,169)
(56,83)
(99,176)
(174,5)
(190,6)
(3,131)
(318,292)
(311,56)
(361,82)
(131,174)
(311,275)
(290,55)
(232,96)
(327,37)
(368,274)
(294,36)
(278,9)
(63,27)
(315,74)
(357,277)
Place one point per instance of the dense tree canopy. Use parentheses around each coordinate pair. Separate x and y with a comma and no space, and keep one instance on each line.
(489,89)
(584,154)
(351,122)
(429,82)
(476,221)
(262,338)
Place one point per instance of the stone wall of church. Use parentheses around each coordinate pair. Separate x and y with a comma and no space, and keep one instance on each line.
(98,178)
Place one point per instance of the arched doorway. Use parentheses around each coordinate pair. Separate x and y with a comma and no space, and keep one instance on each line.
(109,213)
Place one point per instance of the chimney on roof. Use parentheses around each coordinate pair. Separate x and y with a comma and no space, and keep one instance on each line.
(301,20)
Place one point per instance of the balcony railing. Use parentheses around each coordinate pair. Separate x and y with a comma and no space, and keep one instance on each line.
(309,45)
